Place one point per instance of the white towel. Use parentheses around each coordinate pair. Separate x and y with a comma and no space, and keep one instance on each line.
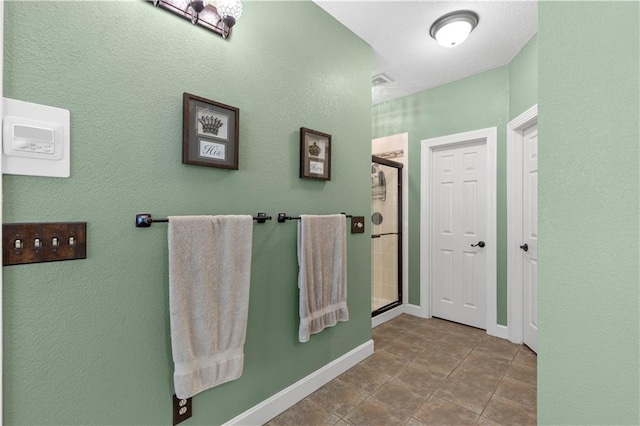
(209,274)
(322,278)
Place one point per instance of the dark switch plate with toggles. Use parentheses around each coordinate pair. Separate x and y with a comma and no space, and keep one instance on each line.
(43,242)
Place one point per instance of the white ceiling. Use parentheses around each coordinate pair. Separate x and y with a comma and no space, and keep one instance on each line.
(398,31)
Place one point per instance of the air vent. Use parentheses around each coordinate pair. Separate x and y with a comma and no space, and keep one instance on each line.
(379,79)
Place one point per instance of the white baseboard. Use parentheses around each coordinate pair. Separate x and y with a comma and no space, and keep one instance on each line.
(501,331)
(414,310)
(387,316)
(286,398)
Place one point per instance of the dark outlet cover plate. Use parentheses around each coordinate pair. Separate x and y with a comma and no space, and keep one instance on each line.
(181,409)
(357,225)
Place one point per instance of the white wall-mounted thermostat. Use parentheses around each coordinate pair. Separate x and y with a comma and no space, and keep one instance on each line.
(35,139)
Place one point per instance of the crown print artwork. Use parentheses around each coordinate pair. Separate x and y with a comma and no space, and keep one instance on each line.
(315,154)
(209,132)
(314,150)
(210,124)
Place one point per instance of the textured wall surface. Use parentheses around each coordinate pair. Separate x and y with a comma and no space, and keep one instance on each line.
(87,342)
(523,79)
(589,77)
(472,103)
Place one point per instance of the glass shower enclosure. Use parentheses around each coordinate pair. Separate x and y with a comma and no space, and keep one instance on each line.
(386,235)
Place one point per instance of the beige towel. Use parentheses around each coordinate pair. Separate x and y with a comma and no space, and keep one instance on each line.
(209,273)
(322,278)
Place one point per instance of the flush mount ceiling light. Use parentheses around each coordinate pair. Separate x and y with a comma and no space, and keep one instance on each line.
(215,15)
(453,28)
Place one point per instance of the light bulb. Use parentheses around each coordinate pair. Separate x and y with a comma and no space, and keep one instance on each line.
(453,33)
(229,10)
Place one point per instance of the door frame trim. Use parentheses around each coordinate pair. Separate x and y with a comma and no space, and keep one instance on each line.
(490,137)
(515,265)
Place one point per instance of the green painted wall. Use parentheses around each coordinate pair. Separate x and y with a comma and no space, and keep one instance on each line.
(523,79)
(87,342)
(473,103)
(485,100)
(589,77)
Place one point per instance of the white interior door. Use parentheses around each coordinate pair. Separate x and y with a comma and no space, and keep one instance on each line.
(459,216)
(530,233)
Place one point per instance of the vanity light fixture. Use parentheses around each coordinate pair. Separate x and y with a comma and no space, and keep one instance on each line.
(453,28)
(218,16)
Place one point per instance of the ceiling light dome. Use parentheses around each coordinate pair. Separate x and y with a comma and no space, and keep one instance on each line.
(453,28)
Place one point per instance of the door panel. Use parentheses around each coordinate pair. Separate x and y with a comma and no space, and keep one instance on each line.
(460,213)
(470,211)
(445,275)
(469,283)
(446,208)
(530,232)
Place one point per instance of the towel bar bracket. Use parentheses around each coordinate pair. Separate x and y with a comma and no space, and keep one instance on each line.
(262,218)
(282,217)
(143,220)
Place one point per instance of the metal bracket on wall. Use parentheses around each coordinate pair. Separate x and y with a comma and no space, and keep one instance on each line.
(43,242)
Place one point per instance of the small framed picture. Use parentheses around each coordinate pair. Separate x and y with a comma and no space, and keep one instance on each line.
(209,133)
(315,154)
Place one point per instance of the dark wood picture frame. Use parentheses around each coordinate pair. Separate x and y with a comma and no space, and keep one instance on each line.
(315,154)
(209,133)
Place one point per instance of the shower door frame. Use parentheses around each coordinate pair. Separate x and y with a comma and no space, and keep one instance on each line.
(399,167)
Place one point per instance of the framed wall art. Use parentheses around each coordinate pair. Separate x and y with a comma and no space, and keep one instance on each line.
(315,154)
(209,133)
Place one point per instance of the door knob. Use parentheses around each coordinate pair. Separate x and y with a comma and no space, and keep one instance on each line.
(524,247)
(480,244)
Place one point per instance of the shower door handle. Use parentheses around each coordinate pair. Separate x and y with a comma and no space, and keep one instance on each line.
(383,234)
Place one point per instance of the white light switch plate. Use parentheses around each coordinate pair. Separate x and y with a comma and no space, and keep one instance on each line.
(35,139)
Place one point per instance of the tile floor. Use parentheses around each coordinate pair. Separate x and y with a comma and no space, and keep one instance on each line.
(427,372)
